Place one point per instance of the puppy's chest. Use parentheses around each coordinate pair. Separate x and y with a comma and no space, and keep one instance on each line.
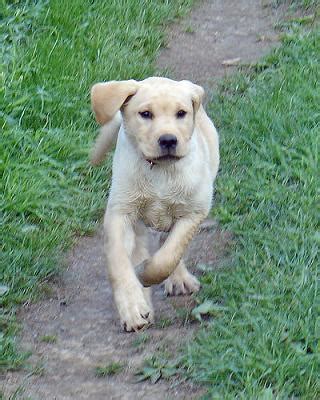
(161,208)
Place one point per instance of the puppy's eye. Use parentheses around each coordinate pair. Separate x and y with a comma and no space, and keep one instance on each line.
(181,113)
(146,114)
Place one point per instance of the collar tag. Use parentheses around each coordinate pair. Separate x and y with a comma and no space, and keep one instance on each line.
(151,163)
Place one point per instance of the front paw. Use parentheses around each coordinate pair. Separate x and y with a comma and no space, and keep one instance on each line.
(149,272)
(181,283)
(135,311)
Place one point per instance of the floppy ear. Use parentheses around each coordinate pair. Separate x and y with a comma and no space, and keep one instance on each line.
(197,93)
(108,97)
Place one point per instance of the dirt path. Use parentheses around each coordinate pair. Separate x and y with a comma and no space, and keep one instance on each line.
(218,34)
(76,328)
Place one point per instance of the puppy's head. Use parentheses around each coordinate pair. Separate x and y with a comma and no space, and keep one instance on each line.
(158,114)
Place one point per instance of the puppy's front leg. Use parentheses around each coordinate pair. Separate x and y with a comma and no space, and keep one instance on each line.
(181,282)
(134,309)
(167,258)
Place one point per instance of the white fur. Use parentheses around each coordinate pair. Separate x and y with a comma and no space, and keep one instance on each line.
(168,196)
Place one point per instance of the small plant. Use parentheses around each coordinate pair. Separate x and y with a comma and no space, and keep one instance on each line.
(15,395)
(189,29)
(141,339)
(45,291)
(110,369)
(157,367)
(38,370)
(184,315)
(48,338)
(164,322)
(207,309)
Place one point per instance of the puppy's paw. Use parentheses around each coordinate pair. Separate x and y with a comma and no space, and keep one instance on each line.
(135,310)
(181,282)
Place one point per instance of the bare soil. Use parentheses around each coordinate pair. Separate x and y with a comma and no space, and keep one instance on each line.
(75,328)
(218,36)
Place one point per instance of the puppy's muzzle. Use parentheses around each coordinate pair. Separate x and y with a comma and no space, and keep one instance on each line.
(168,143)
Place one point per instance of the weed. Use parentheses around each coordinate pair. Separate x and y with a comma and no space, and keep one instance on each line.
(38,369)
(207,309)
(157,367)
(163,322)
(48,339)
(189,29)
(141,339)
(184,315)
(110,369)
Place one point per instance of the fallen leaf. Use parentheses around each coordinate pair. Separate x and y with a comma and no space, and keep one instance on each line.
(207,308)
(231,62)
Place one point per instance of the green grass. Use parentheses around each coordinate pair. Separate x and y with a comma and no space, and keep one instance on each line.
(303,4)
(110,369)
(50,54)
(140,340)
(48,339)
(266,342)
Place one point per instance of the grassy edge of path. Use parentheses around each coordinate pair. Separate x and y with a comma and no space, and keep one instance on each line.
(50,55)
(263,339)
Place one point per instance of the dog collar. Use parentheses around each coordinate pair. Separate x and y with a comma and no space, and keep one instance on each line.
(151,163)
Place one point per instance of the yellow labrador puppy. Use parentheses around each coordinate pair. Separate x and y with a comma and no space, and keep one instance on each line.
(165,162)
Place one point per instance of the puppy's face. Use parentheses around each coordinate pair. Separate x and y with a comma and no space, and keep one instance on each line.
(159,119)
(158,114)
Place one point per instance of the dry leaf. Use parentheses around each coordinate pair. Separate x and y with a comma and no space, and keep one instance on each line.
(231,62)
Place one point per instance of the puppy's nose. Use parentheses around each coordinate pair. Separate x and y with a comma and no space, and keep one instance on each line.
(168,141)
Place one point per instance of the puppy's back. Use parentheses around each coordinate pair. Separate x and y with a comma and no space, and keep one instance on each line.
(210,135)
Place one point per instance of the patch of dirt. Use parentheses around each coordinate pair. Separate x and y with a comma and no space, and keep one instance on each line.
(80,322)
(76,328)
(217,37)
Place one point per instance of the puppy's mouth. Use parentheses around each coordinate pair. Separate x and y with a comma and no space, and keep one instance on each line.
(162,159)
(167,157)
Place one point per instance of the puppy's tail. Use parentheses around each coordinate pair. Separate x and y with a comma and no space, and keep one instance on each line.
(106,139)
